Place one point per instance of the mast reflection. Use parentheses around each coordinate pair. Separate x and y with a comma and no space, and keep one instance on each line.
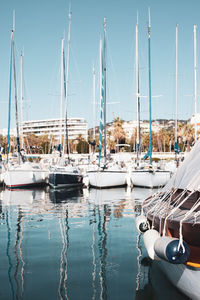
(64,230)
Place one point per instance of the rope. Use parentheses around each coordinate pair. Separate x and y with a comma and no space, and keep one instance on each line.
(181,223)
(176,207)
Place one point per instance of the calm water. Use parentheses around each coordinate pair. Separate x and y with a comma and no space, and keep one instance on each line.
(77,244)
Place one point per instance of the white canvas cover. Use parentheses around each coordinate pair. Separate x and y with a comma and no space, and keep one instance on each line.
(187,175)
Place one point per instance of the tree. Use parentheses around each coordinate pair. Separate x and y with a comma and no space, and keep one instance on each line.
(118,131)
(82,147)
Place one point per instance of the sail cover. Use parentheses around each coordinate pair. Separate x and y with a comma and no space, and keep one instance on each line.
(187,175)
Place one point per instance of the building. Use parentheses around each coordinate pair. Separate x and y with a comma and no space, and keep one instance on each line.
(195,119)
(76,127)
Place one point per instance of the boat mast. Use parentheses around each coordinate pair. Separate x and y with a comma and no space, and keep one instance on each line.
(94,103)
(67,83)
(104,88)
(176,148)
(9,104)
(16,106)
(21,100)
(195,82)
(137,94)
(101,98)
(149,152)
(150,129)
(61,91)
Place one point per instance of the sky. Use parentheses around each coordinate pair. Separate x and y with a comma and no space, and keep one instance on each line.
(41,24)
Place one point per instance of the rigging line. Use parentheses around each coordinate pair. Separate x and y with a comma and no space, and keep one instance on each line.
(176,207)
(180,244)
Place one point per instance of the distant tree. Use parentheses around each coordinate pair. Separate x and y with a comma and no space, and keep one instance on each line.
(118,131)
(82,147)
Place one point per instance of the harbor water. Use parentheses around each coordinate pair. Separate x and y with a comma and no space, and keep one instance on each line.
(76,244)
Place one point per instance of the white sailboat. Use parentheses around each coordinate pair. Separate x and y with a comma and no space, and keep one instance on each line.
(107,175)
(61,175)
(21,174)
(147,176)
(173,216)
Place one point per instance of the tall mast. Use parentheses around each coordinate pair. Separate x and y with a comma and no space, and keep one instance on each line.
(149,152)
(9,103)
(195,82)
(150,129)
(67,82)
(104,88)
(16,106)
(61,90)
(21,100)
(176,118)
(137,92)
(176,148)
(101,98)
(94,110)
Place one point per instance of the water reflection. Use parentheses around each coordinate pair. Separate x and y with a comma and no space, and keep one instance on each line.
(64,230)
(73,244)
(14,254)
(58,196)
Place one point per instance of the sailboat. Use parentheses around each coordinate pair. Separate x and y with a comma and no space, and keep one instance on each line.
(173,225)
(146,176)
(61,175)
(107,175)
(21,174)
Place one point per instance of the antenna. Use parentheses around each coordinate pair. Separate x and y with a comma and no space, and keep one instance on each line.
(70,12)
(149,18)
(104,23)
(13,29)
(137,18)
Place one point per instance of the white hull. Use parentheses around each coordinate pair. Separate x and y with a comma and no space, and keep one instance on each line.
(184,278)
(23,176)
(150,179)
(106,178)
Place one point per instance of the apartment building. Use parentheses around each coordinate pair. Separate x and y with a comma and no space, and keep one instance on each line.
(76,127)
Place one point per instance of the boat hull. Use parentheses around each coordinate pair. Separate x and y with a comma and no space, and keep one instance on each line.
(149,179)
(185,278)
(24,178)
(59,180)
(107,179)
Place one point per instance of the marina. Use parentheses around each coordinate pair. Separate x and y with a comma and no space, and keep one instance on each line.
(99,163)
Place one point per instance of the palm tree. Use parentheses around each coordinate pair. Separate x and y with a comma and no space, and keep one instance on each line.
(118,131)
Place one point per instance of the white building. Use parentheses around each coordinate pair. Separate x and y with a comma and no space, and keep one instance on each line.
(76,127)
(195,119)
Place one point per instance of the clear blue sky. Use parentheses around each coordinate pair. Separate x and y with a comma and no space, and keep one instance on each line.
(40,25)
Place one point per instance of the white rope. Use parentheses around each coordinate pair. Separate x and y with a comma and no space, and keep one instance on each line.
(196,215)
(181,223)
(159,207)
(175,208)
(151,199)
